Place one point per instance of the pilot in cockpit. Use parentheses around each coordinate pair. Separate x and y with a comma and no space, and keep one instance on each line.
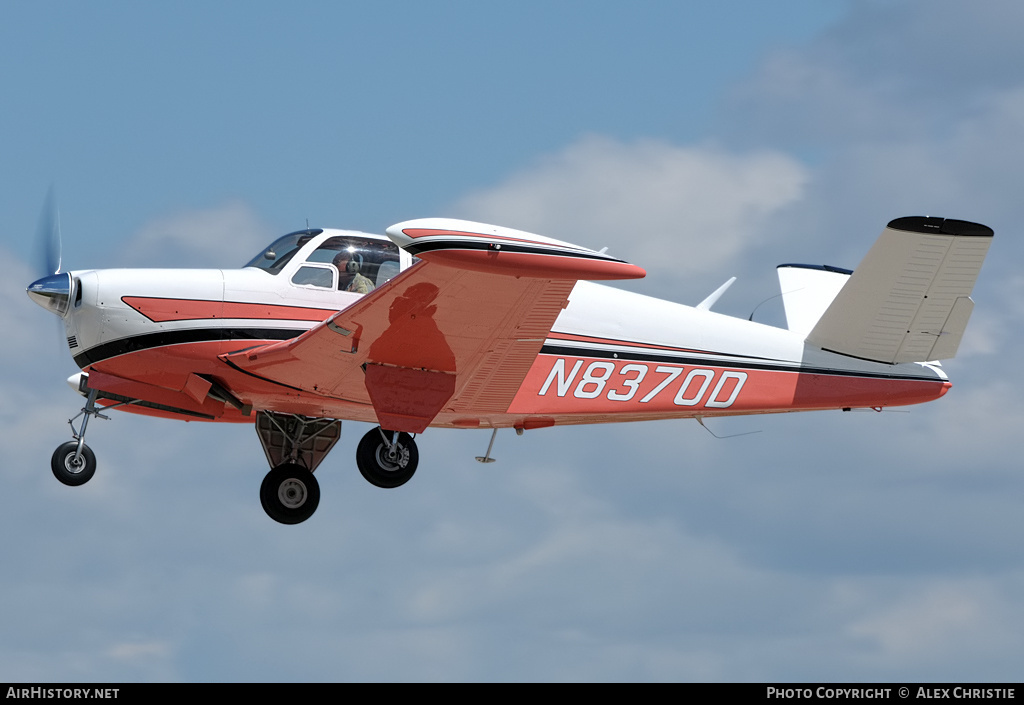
(349,277)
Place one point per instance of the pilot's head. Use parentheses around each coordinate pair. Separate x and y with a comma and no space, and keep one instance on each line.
(350,262)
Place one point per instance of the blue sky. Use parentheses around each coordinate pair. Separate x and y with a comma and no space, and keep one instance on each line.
(698,140)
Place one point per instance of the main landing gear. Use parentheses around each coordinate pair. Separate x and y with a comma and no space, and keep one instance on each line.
(290,494)
(387,458)
(74,463)
(296,445)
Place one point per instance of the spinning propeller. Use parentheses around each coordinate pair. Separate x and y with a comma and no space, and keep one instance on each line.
(73,463)
(53,290)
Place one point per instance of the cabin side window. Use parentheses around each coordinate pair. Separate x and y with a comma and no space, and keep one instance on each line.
(362,264)
(321,276)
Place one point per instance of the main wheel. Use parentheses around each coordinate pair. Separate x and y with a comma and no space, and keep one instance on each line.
(69,471)
(290,494)
(383,466)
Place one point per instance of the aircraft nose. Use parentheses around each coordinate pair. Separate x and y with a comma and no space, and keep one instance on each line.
(52,293)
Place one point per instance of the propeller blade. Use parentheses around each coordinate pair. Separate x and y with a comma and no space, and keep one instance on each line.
(50,291)
(48,244)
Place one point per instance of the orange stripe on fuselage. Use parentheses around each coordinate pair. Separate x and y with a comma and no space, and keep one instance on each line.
(569,385)
(161,310)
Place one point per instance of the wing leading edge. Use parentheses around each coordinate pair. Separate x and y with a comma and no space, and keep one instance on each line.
(456,332)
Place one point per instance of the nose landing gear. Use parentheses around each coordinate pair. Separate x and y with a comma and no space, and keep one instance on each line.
(74,463)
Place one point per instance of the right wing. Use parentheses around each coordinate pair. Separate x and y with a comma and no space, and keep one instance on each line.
(909,300)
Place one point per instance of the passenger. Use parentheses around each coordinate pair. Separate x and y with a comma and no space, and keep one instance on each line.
(349,278)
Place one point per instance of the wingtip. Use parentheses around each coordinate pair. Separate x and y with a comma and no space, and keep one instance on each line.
(941,226)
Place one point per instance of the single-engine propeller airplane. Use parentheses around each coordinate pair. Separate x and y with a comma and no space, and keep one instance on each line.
(449,323)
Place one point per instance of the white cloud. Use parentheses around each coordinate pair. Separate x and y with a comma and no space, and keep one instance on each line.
(888,71)
(668,208)
(225,236)
(947,618)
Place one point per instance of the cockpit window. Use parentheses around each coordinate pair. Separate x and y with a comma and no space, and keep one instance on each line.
(274,258)
(363,264)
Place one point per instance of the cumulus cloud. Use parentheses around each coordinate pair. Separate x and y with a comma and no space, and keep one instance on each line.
(886,71)
(910,108)
(668,208)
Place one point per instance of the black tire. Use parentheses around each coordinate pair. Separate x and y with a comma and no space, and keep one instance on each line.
(64,467)
(384,468)
(290,494)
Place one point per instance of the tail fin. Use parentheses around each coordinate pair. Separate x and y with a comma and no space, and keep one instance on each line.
(909,300)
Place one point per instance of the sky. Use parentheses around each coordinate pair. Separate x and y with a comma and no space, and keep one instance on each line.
(698,140)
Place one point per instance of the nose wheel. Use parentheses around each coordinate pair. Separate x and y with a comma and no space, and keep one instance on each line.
(71,465)
(387,458)
(74,463)
(290,494)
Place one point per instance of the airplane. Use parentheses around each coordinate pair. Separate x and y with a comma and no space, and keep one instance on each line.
(455,324)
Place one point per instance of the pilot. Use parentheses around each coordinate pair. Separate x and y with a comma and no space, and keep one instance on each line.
(349,278)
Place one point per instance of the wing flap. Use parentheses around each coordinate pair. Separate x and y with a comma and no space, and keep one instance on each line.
(908,301)
(407,398)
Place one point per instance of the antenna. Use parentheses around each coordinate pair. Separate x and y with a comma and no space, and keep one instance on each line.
(707,303)
(751,316)
(700,420)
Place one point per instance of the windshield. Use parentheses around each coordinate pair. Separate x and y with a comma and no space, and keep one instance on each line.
(275,257)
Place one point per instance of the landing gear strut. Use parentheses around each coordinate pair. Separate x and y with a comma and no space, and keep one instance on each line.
(74,463)
(295,446)
(387,458)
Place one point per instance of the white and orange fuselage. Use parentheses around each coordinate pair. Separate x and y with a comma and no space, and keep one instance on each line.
(490,328)
(177,344)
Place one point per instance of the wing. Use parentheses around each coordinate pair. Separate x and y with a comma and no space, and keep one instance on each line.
(909,300)
(457,332)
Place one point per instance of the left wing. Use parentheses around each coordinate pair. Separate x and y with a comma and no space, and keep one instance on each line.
(457,331)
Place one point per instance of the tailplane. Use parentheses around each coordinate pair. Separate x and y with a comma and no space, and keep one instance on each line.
(908,301)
